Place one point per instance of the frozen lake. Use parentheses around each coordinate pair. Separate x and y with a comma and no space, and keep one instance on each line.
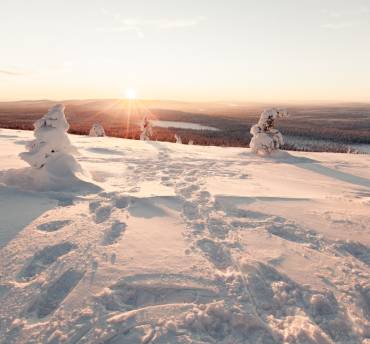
(181,125)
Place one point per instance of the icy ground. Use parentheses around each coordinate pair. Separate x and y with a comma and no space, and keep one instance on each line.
(187,244)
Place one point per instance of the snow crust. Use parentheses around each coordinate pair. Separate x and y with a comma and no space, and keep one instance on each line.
(186,244)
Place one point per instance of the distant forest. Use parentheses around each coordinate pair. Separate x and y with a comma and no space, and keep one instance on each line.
(315,128)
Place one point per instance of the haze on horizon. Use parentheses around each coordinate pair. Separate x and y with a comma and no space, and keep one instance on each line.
(207,50)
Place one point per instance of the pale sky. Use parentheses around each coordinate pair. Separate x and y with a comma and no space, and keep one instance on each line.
(203,50)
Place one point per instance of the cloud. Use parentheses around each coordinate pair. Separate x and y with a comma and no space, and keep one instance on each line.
(179,23)
(139,25)
(344,19)
(336,26)
(9,72)
(123,28)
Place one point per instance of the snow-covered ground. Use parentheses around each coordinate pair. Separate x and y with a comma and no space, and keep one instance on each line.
(187,244)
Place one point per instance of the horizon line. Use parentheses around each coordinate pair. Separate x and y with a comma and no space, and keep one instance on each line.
(221,102)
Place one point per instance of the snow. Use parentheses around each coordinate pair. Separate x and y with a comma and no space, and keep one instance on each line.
(169,243)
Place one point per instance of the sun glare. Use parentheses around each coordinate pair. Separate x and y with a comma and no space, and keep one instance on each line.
(130,93)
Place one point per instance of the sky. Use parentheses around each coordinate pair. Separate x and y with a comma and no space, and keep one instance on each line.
(200,50)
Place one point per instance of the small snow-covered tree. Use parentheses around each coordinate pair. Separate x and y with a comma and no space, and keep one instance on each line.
(146,129)
(266,139)
(51,138)
(97,130)
(191,142)
(178,139)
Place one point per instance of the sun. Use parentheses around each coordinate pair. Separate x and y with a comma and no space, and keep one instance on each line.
(130,93)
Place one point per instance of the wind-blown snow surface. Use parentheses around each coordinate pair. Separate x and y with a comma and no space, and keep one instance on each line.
(187,244)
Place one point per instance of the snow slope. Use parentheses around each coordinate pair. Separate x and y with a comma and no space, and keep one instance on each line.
(187,244)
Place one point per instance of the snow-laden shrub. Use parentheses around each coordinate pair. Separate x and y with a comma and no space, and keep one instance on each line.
(178,139)
(146,129)
(97,130)
(266,139)
(51,139)
(51,157)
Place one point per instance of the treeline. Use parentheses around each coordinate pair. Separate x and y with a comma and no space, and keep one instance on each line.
(313,128)
(311,145)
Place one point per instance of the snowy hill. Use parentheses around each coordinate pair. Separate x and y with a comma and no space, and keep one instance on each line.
(186,244)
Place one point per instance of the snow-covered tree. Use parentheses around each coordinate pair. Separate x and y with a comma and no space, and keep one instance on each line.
(146,129)
(51,139)
(191,142)
(266,139)
(97,130)
(178,139)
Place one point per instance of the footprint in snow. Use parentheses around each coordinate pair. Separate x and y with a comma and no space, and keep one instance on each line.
(140,291)
(294,234)
(3,290)
(122,202)
(188,191)
(94,205)
(114,233)
(191,211)
(217,228)
(55,293)
(53,226)
(44,258)
(357,250)
(216,253)
(204,196)
(103,213)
